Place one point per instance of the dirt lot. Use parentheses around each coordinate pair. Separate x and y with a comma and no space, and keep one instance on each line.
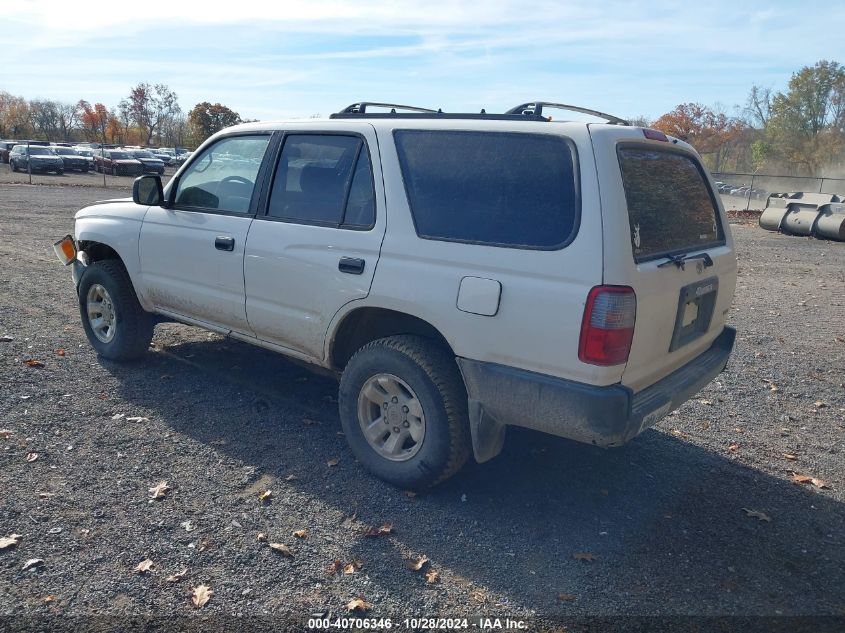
(698,516)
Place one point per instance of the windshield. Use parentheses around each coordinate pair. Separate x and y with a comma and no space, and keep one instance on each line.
(65,151)
(119,155)
(142,155)
(40,150)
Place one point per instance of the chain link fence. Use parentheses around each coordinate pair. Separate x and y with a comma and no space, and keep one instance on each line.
(744,192)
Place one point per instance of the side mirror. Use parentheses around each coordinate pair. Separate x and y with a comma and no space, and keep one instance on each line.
(147,190)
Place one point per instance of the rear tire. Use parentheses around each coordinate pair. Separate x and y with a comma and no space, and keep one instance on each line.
(420,373)
(116,325)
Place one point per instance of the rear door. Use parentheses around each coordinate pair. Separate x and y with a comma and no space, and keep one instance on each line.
(315,246)
(658,203)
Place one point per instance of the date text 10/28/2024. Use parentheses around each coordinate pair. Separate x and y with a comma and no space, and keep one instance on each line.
(416,624)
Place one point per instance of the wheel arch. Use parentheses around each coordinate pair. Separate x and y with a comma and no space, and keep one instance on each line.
(364,324)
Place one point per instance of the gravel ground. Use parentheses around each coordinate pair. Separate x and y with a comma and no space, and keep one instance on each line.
(665,517)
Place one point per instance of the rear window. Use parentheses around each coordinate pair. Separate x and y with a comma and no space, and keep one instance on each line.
(670,207)
(499,189)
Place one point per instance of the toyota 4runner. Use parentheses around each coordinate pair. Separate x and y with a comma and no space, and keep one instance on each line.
(459,272)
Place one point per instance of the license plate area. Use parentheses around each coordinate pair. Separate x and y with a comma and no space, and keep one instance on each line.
(695,311)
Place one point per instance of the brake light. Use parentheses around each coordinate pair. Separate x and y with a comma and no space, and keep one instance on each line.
(655,135)
(608,326)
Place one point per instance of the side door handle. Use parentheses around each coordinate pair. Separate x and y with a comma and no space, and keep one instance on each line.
(351,265)
(224,243)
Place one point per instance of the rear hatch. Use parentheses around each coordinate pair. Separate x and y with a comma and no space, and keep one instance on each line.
(665,236)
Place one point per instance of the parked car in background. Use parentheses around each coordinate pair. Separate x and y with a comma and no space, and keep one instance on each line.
(117,163)
(71,158)
(35,159)
(149,162)
(163,156)
(5,150)
(87,153)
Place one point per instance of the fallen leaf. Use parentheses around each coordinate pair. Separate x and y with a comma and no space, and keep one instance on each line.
(10,541)
(358,604)
(774,388)
(34,363)
(819,404)
(5,434)
(386,528)
(566,597)
(144,566)
(261,537)
(291,478)
(708,403)
(60,352)
(585,556)
(733,447)
(309,422)
(266,495)
(205,544)
(158,492)
(179,576)
(32,562)
(46,495)
(432,576)
(756,514)
(332,462)
(301,533)
(416,564)
(410,493)
(31,457)
(355,565)
(282,548)
(789,456)
(201,595)
(801,479)
(48,599)
(334,567)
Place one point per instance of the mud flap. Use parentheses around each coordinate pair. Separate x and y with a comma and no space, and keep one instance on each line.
(488,436)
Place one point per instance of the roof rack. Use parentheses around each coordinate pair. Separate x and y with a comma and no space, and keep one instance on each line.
(359,110)
(536,108)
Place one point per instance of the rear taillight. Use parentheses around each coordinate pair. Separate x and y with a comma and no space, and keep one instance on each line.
(608,326)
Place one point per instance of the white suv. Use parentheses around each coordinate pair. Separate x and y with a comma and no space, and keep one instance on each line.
(459,272)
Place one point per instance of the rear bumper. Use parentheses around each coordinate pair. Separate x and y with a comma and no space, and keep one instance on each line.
(604,416)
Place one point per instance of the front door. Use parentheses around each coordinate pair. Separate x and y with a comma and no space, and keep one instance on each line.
(192,252)
(317,245)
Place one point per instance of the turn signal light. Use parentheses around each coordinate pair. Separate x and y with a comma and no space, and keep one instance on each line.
(65,249)
(607,330)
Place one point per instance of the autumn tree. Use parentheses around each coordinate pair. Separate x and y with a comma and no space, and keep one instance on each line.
(150,107)
(206,119)
(807,124)
(14,116)
(95,120)
(711,132)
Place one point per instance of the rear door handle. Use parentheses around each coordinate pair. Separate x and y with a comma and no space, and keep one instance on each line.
(224,243)
(351,265)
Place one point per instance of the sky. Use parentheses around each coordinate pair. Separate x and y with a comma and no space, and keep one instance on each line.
(298,59)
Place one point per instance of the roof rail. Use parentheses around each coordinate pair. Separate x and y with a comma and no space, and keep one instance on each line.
(536,108)
(361,108)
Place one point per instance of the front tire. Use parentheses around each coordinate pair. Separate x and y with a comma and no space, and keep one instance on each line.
(116,325)
(403,408)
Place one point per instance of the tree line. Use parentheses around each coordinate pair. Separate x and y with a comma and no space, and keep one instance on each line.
(149,115)
(798,131)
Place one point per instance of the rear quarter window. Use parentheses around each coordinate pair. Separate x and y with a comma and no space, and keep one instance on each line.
(670,206)
(512,190)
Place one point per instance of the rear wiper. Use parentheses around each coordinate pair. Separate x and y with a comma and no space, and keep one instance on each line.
(681,260)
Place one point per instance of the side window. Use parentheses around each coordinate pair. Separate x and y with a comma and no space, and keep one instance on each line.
(223,176)
(325,180)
